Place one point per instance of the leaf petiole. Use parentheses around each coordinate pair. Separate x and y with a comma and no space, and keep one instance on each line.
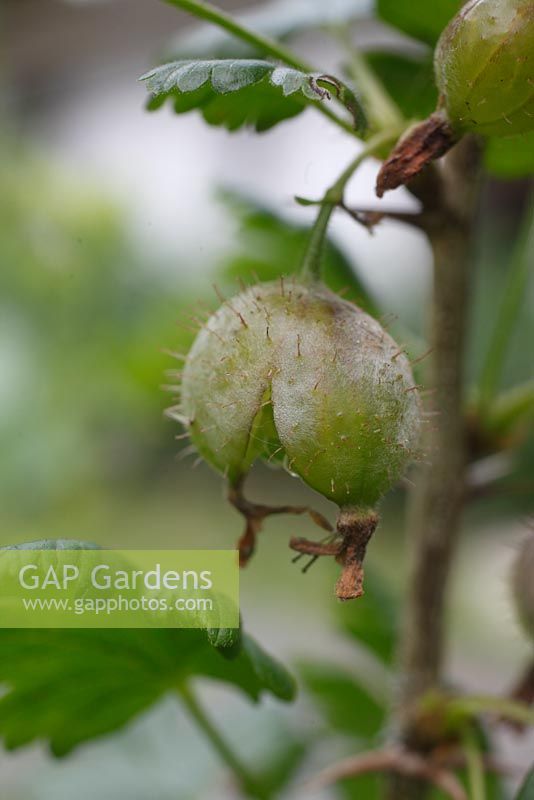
(248,784)
(472,705)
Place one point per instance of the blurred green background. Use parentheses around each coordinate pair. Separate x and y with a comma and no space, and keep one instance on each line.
(112,230)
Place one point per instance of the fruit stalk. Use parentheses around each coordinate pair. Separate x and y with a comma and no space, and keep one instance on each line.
(437,500)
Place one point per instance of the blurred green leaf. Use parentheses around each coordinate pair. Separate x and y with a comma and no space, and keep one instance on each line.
(516,489)
(373,620)
(510,157)
(526,791)
(419,18)
(69,686)
(409,80)
(511,411)
(241,92)
(493,788)
(268,246)
(365,787)
(84,317)
(226,639)
(508,312)
(468,728)
(257,672)
(346,704)
(53,544)
(279,772)
(279,19)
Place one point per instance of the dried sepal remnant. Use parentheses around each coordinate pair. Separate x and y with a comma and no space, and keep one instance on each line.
(292,374)
(422,144)
(353,532)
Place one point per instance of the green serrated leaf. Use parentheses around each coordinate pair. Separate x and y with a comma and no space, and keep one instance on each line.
(268,246)
(53,544)
(526,791)
(238,92)
(279,20)
(373,620)
(68,686)
(419,18)
(80,664)
(510,157)
(346,704)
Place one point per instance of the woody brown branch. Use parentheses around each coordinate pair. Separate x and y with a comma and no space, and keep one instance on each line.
(398,761)
(449,196)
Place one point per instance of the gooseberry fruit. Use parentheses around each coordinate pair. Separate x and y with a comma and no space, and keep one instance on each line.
(294,374)
(483,66)
(483,69)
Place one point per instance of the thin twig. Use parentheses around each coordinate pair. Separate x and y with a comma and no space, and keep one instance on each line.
(369,217)
(401,762)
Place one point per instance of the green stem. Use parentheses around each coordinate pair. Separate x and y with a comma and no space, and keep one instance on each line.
(501,706)
(381,109)
(510,408)
(311,262)
(211,13)
(513,298)
(475,765)
(246,781)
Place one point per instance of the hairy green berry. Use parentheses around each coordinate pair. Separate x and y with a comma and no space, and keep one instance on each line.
(484,69)
(294,374)
(523,585)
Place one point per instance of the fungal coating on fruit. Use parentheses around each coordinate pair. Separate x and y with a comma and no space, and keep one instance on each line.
(523,585)
(295,372)
(484,69)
